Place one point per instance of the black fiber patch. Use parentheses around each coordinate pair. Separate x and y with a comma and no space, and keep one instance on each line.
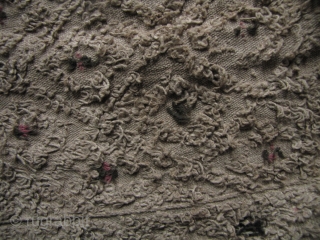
(179,112)
(250,228)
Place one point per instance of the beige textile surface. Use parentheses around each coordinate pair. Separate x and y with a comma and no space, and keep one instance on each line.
(208,111)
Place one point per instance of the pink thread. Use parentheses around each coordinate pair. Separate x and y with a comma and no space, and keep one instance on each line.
(80,65)
(106,167)
(107,172)
(24,129)
(242,25)
(272,157)
(108,178)
(78,55)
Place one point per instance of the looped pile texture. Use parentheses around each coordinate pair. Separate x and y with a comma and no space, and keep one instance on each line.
(170,119)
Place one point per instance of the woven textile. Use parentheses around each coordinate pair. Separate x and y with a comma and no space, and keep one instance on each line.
(169,119)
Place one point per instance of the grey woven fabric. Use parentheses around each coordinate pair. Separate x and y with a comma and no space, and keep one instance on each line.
(164,119)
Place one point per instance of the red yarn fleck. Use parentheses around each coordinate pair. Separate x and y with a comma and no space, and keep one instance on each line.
(106,166)
(78,55)
(107,172)
(80,65)
(24,129)
(108,178)
(272,157)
